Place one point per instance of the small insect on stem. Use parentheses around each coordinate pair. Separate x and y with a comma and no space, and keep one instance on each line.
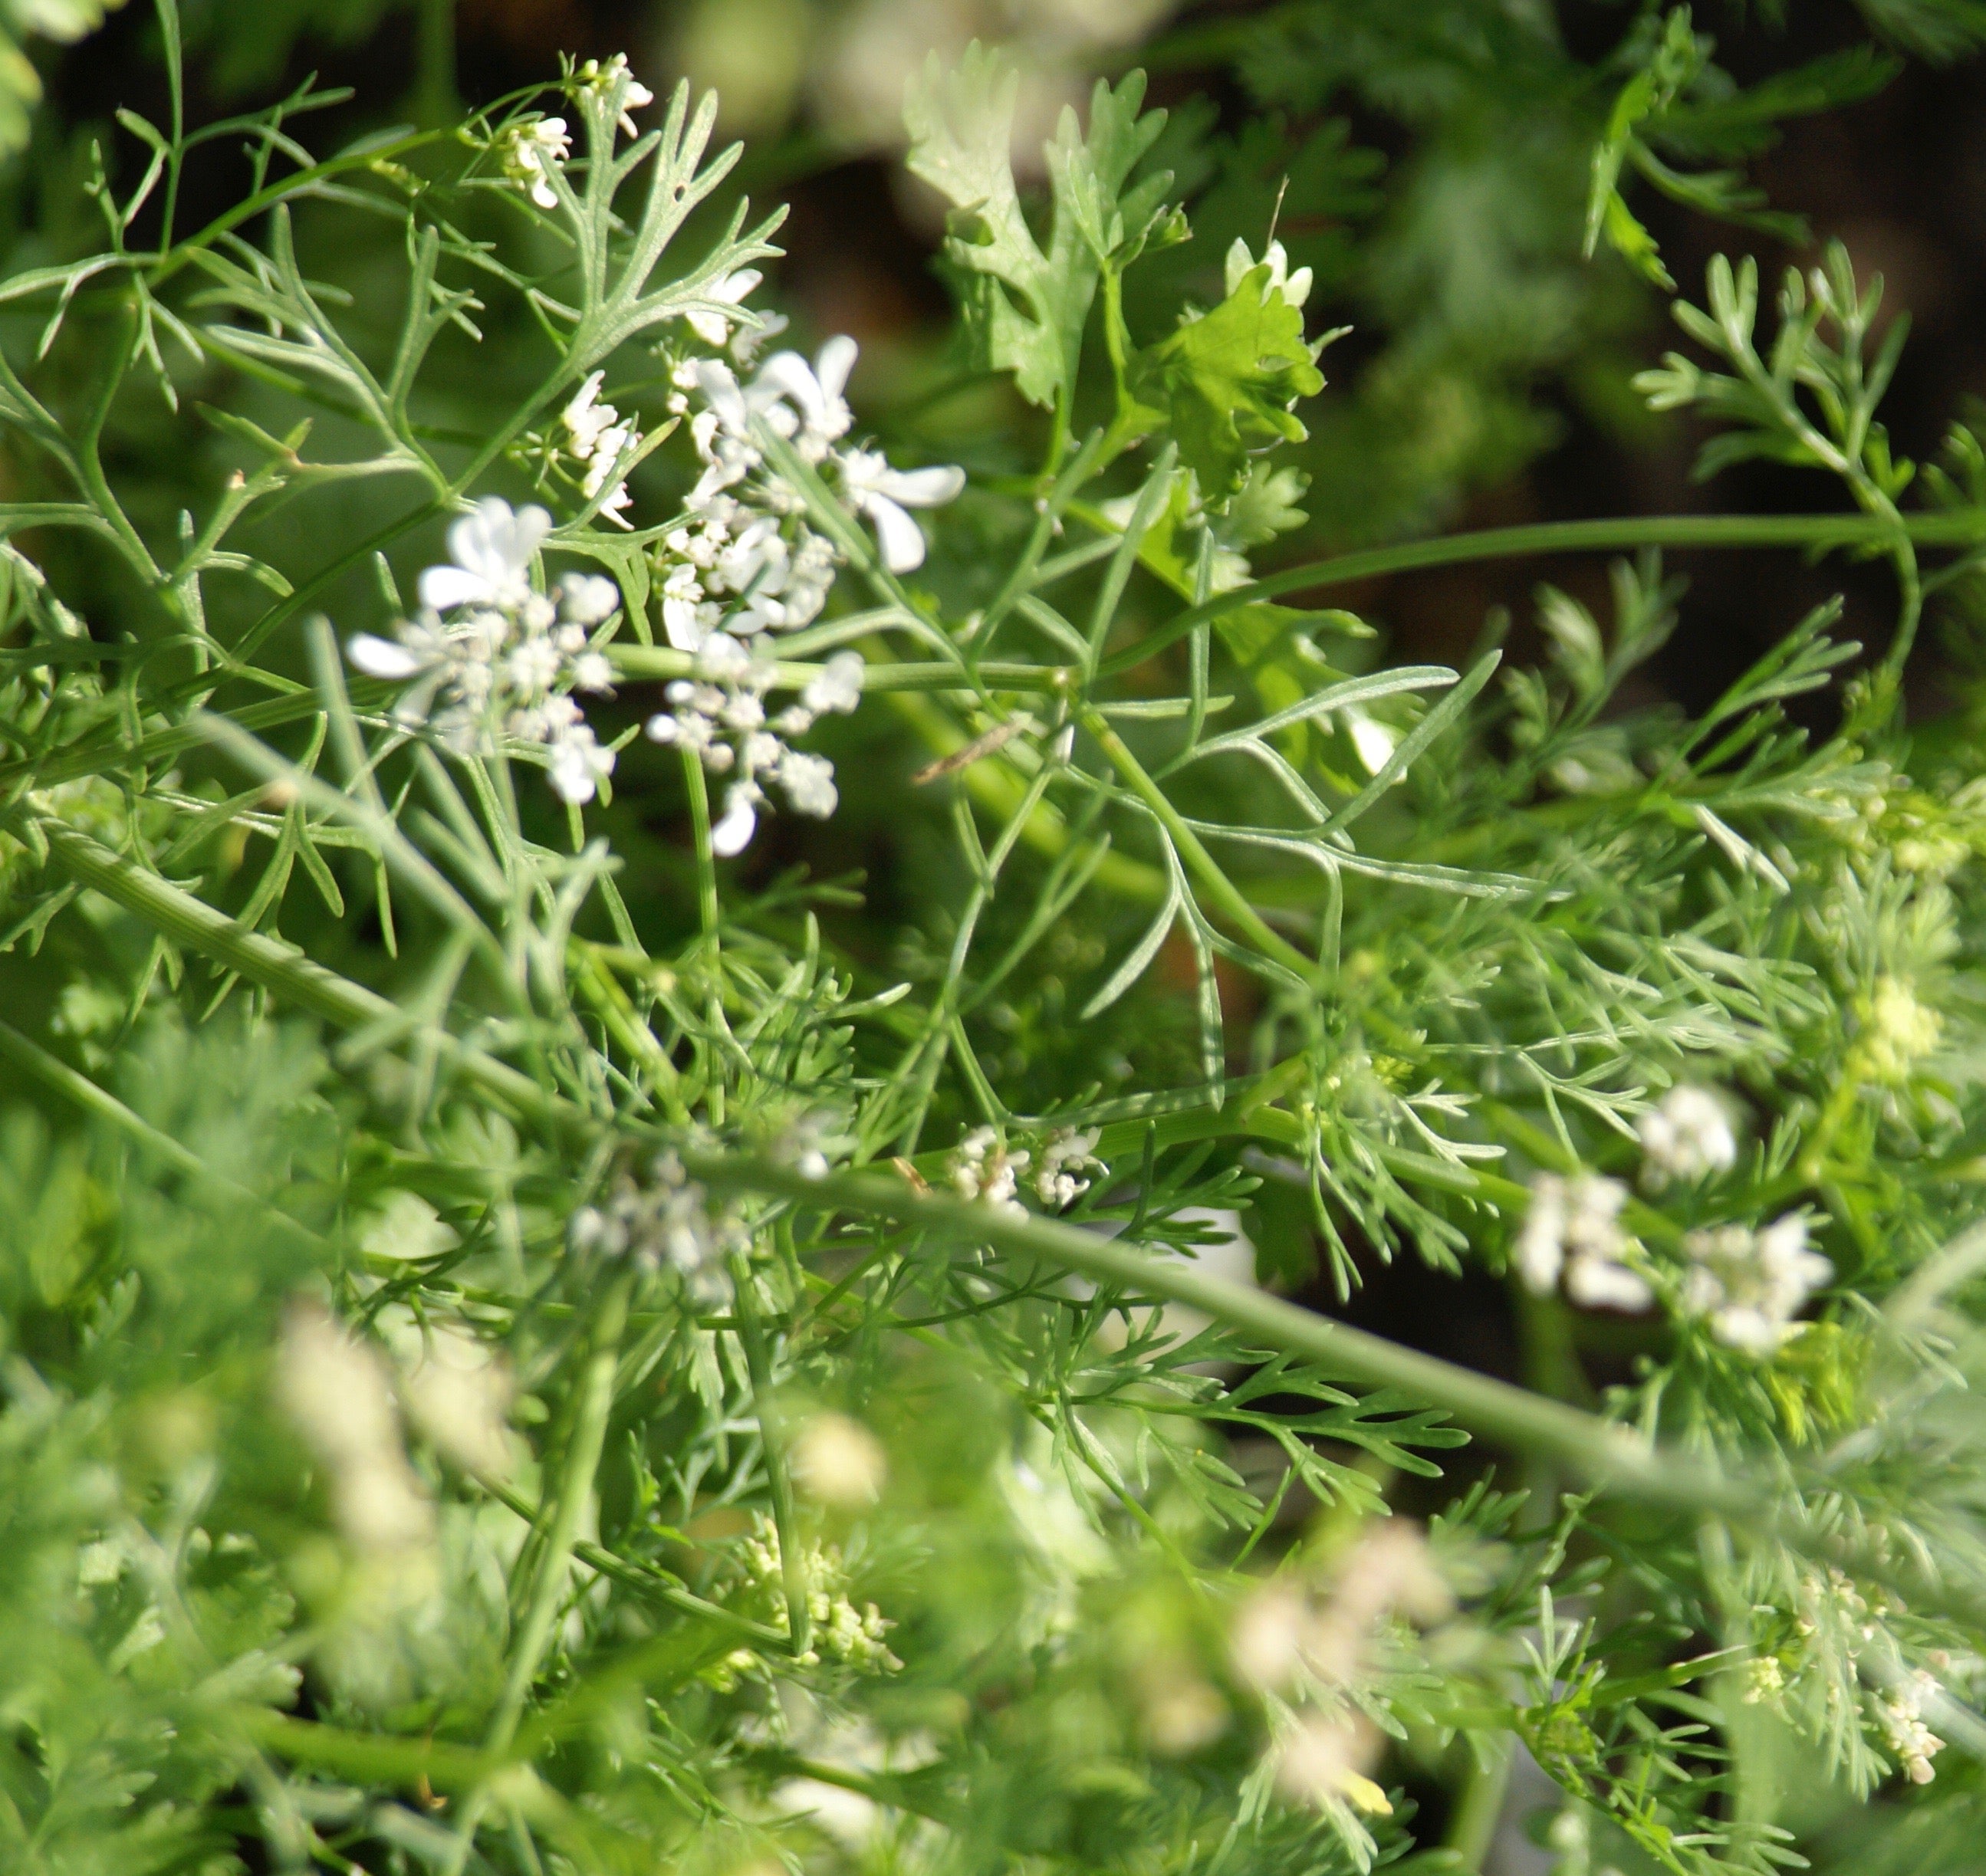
(997,738)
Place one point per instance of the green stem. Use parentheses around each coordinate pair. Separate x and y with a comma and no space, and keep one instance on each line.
(575,1492)
(707,910)
(778,1482)
(639,662)
(1608,1457)
(1224,893)
(275,966)
(53,1073)
(1472,1827)
(554,1570)
(1610,533)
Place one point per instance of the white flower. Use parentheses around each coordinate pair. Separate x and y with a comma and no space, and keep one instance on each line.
(586,599)
(713,327)
(1373,741)
(579,764)
(603,78)
(1294,288)
(1687,1136)
(1067,1156)
(883,493)
(380,657)
(1573,1228)
(459,1397)
(1318,1760)
(839,1462)
(809,781)
(815,393)
(530,152)
(732,834)
(1751,1284)
(983,1169)
(492,548)
(598,438)
(586,419)
(838,687)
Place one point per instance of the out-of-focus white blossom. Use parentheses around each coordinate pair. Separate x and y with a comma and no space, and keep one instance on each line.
(1573,1230)
(339,1395)
(1320,1758)
(1751,1284)
(839,1462)
(663,1219)
(1900,1713)
(459,1395)
(1687,1136)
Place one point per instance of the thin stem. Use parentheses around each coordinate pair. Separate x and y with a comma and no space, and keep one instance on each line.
(53,1073)
(779,1481)
(1224,893)
(1962,527)
(548,1589)
(707,910)
(1472,1827)
(1611,1458)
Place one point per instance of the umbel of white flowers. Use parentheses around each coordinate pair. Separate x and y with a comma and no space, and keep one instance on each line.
(745,566)
(490,660)
(1573,1228)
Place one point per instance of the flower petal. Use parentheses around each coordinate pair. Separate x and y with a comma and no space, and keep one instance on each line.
(380,657)
(921,488)
(732,834)
(902,539)
(836,360)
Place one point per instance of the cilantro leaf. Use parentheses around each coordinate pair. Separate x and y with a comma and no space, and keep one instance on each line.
(1221,386)
(1026,307)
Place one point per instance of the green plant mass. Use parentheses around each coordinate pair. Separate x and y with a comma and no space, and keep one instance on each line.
(712,1034)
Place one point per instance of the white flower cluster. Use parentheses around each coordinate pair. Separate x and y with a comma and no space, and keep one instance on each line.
(598,439)
(845,1633)
(744,565)
(983,1171)
(1573,1228)
(339,1395)
(664,1222)
(531,154)
(1687,1137)
(489,658)
(1900,1713)
(720,717)
(1067,1158)
(804,404)
(1751,1284)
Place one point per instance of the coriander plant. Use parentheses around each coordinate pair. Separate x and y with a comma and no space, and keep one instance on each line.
(533,1339)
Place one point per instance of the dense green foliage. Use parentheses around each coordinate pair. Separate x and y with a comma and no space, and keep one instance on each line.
(549,1322)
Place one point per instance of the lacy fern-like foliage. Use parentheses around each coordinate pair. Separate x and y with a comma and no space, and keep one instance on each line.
(530,1345)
